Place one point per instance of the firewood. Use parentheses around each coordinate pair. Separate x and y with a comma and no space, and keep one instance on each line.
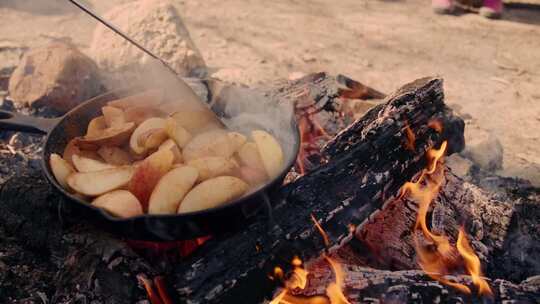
(366,163)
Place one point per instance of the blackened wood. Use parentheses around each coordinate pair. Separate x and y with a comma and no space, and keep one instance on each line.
(367,163)
(364,284)
(388,235)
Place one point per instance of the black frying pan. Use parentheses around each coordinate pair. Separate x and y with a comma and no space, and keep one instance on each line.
(145,227)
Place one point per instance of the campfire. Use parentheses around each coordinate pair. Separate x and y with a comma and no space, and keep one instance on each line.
(370,212)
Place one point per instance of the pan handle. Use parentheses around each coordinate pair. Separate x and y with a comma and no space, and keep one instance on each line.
(10,121)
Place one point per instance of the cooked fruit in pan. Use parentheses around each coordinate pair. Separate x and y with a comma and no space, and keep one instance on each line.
(136,158)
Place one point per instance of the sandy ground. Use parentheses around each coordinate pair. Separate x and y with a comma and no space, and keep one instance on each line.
(491,68)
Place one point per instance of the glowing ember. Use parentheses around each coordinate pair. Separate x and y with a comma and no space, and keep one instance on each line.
(411,138)
(439,257)
(472,263)
(311,134)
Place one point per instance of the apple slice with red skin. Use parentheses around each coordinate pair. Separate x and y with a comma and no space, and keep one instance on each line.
(148,173)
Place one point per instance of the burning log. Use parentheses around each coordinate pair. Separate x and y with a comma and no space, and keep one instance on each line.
(499,226)
(363,166)
(364,284)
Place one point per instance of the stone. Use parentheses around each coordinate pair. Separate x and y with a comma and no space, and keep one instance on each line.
(57,75)
(156,25)
(483,148)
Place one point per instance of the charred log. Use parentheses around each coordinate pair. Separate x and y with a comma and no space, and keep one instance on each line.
(496,223)
(364,284)
(367,163)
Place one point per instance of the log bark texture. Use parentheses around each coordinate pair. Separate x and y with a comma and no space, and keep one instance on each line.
(365,164)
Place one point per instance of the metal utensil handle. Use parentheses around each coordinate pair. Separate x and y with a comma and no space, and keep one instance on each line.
(119,32)
(10,121)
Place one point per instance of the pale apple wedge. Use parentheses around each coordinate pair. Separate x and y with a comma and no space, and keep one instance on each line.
(147,125)
(237,140)
(171,190)
(148,173)
(113,116)
(211,143)
(249,156)
(149,98)
(177,133)
(114,156)
(213,193)
(171,145)
(113,136)
(61,169)
(100,182)
(270,152)
(96,126)
(120,203)
(213,166)
(152,139)
(73,148)
(253,176)
(83,164)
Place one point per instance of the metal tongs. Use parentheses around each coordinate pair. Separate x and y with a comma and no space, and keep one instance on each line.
(188,95)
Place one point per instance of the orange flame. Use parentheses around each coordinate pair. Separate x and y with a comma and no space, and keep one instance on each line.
(472,263)
(440,257)
(334,291)
(321,230)
(298,280)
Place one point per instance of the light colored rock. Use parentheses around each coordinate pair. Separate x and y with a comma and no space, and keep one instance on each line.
(57,75)
(155,24)
(483,149)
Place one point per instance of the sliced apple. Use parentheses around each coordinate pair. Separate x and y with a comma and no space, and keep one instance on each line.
(270,152)
(249,156)
(171,145)
(61,169)
(121,203)
(213,166)
(149,98)
(147,125)
(139,114)
(171,189)
(237,139)
(197,121)
(213,193)
(96,126)
(83,164)
(113,116)
(99,182)
(148,173)
(180,135)
(253,176)
(210,143)
(114,156)
(113,136)
(73,148)
(152,138)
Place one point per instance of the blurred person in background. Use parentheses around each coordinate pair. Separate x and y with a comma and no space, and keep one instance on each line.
(489,8)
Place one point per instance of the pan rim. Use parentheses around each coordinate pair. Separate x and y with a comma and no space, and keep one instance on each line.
(261,190)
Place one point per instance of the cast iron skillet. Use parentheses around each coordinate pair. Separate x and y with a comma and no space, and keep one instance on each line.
(145,227)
